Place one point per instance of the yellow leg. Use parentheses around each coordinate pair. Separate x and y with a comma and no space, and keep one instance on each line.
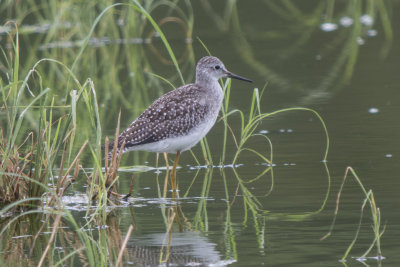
(173,174)
(166,174)
(166,160)
(174,190)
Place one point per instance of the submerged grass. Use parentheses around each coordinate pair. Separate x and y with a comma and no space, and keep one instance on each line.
(377,228)
(248,131)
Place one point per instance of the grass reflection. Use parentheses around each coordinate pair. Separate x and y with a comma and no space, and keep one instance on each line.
(353,24)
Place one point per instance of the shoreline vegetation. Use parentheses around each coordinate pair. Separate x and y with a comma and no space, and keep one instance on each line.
(51,133)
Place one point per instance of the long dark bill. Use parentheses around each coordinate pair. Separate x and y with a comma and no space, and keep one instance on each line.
(231,75)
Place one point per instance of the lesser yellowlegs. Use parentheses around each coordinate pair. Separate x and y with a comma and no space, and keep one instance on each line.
(178,120)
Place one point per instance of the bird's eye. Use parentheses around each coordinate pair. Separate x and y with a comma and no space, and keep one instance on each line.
(217,67)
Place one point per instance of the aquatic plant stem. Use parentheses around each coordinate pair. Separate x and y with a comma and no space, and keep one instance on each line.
(53,234)
(128,234)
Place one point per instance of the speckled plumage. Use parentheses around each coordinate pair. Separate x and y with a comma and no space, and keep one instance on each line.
(179,119)
(172,115)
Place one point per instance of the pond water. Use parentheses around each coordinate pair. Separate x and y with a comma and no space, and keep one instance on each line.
(343,64)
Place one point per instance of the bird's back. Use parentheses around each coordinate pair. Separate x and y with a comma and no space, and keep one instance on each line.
(172,115)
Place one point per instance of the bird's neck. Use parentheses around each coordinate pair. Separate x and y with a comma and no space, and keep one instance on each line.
(212,94)
(208,83)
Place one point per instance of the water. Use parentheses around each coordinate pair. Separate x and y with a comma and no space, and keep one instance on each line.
(345,70)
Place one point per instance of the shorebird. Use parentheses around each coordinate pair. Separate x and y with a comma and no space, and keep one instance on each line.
(178,120)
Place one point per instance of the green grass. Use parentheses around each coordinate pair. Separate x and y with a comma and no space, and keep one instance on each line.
(53,127)
(369,201)
(50,119)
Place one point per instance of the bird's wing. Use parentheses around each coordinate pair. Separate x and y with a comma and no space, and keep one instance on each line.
(173,114)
